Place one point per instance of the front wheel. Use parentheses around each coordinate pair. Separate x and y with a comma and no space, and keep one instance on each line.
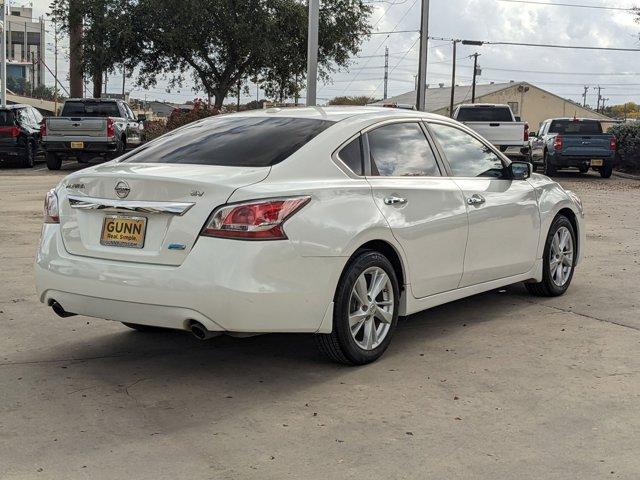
(365,311)
(558,260)
(28,160)
(606,171)
(54,162)
(583,168)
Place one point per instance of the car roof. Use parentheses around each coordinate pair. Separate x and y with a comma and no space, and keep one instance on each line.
(571,119)
(339,113)
(92,100)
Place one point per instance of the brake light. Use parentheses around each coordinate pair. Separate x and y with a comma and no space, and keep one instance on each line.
(13,131)
(526,131)
(111,130)
(254,220)
(557,142)
(613,144)
(51,213)
(43,128)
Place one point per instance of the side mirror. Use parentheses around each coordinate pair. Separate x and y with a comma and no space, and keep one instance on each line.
(533,134)
(142,118)
(520,170)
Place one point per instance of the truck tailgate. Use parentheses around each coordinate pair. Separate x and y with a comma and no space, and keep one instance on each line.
(500,133)
(76,127)
(586,145)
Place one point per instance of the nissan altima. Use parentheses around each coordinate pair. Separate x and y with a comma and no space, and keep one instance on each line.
(333,221)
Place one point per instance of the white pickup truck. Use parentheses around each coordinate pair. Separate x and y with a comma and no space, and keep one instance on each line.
(497,124)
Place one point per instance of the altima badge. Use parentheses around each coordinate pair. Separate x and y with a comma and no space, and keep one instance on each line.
(122,189)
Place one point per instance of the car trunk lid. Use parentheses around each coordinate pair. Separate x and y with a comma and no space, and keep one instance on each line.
(165,204)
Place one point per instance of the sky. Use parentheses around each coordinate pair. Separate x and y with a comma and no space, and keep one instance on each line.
(563,72)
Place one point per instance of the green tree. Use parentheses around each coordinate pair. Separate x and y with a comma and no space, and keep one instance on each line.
(108,37)
(362,100)
(221,42)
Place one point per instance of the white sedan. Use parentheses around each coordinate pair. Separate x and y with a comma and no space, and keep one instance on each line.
(333,221)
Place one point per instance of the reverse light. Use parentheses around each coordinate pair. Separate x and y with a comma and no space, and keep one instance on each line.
(613,144)
(51,213)
(253,220)
(557,142)
(111,129)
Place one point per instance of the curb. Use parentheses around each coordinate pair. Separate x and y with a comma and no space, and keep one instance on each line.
(626,175)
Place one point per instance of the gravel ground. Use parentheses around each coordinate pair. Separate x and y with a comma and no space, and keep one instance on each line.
(500,385)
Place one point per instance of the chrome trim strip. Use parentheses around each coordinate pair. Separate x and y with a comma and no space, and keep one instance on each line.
(90,203)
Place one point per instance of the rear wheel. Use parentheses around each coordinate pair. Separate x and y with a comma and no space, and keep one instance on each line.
(365,312)
(606,171)
(549,168)
(558,260)
(28,159)
(143,328)
(54,162)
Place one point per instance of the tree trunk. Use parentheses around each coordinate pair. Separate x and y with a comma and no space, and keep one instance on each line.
(97,85)
(75,49)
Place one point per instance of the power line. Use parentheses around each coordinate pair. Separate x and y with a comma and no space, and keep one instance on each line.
(574,5)
(543,45)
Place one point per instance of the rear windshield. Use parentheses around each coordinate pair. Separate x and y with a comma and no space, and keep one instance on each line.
(578,127)
(6,118)
(484,114)
(231,141)
(90,109)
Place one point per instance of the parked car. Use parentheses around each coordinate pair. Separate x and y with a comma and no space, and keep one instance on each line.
(573,142)
(20,133)
(498,125)
(90,127)
(331,221)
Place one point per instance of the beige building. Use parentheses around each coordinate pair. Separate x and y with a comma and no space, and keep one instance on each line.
(527,101)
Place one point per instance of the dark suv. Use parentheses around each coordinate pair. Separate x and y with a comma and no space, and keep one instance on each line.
(20,133)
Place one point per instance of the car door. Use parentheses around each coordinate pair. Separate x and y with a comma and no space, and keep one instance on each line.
(425,210)
(537,143)
(504,221)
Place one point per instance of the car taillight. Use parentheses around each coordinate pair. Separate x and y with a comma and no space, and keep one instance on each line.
(526,132)
(13,131)
(111,130)
(254,220)
(51,214)
(613,143)
(557,142)
(43,128)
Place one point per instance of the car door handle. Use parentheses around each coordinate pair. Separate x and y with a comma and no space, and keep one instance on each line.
(475,199)
(394,200)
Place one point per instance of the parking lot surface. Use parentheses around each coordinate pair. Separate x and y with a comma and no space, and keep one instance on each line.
(500,385)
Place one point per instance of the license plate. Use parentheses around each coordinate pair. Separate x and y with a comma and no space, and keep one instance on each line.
(596,162)
(77,144)
(121,231)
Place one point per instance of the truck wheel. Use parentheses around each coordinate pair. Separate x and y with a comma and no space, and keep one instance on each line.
(54,162)
(549,169)
(29,156)
(583,168)
(120,147)
(606,171)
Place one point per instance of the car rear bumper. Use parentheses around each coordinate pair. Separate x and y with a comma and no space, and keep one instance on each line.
(88,147)
(580,160)
(227,285)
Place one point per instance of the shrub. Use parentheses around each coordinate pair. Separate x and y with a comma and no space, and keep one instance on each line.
(178,118)
(628,139)
(153,129)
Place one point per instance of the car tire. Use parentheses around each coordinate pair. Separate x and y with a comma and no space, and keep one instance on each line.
(363,327)
(561,255)
(54,162)
(583,168)
(548,168)
(143,328)
(606,171)
(28,160)
(121,147)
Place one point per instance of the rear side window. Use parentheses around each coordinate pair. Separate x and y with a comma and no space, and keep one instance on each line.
(6,118)
(401,149)
(577,127)
(90,109)
(484,114)
(231,141)
(351,155)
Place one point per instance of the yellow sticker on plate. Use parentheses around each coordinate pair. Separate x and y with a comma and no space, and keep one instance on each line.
(121,231)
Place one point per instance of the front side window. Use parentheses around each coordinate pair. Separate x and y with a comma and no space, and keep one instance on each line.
(401,149)
(232,141)
(467,156)
(351,155)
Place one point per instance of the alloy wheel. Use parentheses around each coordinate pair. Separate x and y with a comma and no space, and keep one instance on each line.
(371,308)
(561,256)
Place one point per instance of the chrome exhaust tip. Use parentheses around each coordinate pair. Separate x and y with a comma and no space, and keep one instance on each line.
(200,331)
(58,310)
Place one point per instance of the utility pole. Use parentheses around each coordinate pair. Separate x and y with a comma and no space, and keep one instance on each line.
(599,98)
(124,80)
(238,106)
(386,72)
(105,84)
(312,52)
(584,96)
(421,92)
(453,79)
(76,76)
(3,55)
(475,74)
(56,33)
